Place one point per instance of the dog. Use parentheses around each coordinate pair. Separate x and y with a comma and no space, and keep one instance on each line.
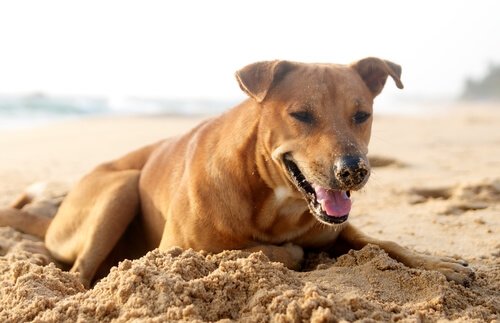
(273,174)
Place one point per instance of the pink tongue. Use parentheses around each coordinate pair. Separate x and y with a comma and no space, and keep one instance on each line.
(334,203)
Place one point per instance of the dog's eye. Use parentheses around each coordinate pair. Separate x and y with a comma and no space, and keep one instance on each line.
(303,116)
(361,117)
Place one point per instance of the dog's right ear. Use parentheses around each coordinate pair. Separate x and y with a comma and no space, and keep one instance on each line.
(258,78)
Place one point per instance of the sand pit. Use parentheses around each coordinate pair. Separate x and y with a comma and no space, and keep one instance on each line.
(437,195)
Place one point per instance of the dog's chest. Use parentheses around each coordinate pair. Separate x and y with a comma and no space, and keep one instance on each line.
(286,204)
(283,217)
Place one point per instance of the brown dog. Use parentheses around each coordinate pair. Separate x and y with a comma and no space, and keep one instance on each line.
(273,174)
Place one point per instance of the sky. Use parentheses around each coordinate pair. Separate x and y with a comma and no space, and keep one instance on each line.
(191,48)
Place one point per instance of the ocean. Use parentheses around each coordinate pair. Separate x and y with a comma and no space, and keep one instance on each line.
(26,111)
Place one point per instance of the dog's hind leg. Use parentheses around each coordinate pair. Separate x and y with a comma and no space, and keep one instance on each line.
(92,219)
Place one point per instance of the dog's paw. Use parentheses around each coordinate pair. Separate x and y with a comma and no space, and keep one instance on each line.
(296,256)
(456,270)
(288,254)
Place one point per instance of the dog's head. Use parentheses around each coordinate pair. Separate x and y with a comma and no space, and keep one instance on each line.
(315,125)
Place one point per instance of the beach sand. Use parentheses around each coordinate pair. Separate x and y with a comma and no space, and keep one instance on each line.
(435,188)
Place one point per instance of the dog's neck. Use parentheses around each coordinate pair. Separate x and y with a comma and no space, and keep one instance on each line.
(267,167)
(249,144)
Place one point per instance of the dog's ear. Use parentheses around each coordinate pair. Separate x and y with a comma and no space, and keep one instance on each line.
(258,78)
(374,72)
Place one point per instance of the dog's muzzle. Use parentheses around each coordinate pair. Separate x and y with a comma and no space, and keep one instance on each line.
(327,205)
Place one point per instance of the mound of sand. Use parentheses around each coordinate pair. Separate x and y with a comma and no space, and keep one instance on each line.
(188,285)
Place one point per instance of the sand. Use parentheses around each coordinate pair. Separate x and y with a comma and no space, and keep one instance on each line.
(435,188)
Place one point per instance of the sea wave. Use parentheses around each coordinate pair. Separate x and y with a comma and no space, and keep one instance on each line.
(31,110)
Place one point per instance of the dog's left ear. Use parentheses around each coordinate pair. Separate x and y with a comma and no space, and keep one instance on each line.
(374,72)
(257,79)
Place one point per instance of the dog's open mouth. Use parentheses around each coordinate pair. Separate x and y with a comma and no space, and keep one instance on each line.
(329,206)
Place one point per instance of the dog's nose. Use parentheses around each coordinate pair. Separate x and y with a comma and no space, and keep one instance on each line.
(351,170)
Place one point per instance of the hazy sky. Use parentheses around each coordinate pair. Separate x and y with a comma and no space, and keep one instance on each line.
(192,48)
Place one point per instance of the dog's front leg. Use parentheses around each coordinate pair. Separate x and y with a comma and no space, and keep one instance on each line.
(288,254)
(453,269)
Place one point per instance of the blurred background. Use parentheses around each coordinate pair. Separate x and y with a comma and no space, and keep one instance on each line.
(70,59)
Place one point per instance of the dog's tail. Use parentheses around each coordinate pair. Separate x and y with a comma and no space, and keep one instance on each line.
(27,220)
(28,195)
